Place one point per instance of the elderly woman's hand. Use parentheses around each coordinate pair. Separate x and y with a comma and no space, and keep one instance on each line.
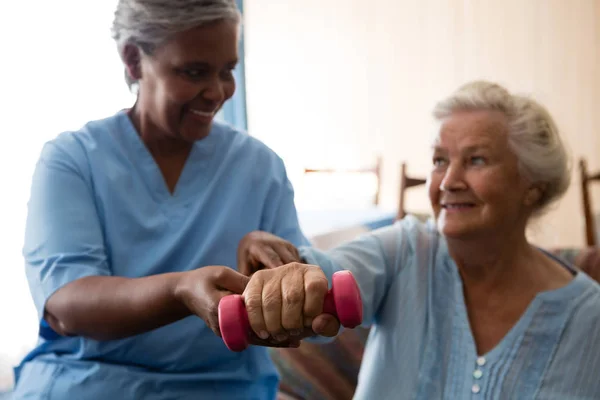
(201,291)
(286,303)
(259,250)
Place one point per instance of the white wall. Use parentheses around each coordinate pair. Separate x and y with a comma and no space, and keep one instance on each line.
(308,81)
(337,82)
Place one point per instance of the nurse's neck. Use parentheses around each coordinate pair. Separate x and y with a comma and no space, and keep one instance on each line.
(159,144)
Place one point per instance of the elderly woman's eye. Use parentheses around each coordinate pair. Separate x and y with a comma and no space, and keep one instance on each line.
(438,161)
(477,160)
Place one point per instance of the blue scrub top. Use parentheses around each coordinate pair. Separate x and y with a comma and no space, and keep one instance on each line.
(99,206)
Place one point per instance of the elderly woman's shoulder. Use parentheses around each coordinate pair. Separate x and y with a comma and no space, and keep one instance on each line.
(583,321)
(592,289)
(586,302)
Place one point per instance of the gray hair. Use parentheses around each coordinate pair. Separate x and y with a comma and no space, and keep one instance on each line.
(147,24)
(533,135)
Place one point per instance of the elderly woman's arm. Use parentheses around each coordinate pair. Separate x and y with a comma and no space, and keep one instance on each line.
(373,259)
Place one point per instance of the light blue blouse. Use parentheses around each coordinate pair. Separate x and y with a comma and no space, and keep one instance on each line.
(99,206)
(421,346)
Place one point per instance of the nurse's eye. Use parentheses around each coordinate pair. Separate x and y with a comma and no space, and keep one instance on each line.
(227,74)
(194,73)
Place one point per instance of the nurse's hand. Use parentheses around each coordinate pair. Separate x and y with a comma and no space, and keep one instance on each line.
(262,250)
(202,289)
(286,303)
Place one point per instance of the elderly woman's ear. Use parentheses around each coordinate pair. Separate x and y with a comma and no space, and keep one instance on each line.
(533,195)
(132,58)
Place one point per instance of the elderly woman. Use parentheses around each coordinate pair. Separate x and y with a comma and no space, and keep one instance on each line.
(465,307)
(125,211)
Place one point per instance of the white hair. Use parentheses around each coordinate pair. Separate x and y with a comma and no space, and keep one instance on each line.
(147,24)
(533,135)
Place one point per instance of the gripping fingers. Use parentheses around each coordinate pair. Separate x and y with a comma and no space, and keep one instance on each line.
(271,308)
(212,316)
(254,307)
(292,289)
(315,289)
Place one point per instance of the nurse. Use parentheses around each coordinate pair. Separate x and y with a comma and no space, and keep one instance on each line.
(134,221)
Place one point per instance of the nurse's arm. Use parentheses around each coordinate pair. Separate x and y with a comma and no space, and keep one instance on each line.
(69,275)
(110,307)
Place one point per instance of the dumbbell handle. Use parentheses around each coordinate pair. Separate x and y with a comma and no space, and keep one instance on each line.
(343,301)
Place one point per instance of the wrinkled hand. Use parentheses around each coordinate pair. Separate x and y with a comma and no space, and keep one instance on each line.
(286,304)
(202,289)
(262,250)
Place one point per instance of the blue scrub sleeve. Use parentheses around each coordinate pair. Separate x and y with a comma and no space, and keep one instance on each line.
(63,237)
(280,216)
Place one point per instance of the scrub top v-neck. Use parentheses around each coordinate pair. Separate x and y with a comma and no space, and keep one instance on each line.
(192,178)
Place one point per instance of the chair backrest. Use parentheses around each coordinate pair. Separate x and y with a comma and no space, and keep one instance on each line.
(374,170)
(406,182)
(590,223)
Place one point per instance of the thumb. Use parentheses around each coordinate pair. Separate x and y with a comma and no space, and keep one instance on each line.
(326,325)
(233,281)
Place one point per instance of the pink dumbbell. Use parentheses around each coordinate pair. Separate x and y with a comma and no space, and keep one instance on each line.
(343,301)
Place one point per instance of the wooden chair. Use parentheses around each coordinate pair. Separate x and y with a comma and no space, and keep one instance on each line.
(375,170)
(406,182)
(590,223)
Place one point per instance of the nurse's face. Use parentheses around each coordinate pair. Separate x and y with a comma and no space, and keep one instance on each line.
(185,81)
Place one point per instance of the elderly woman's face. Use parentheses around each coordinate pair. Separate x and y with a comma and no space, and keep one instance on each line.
(474,186)
(185,81)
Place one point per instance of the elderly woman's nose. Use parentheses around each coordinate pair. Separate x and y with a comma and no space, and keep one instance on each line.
(453,178)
